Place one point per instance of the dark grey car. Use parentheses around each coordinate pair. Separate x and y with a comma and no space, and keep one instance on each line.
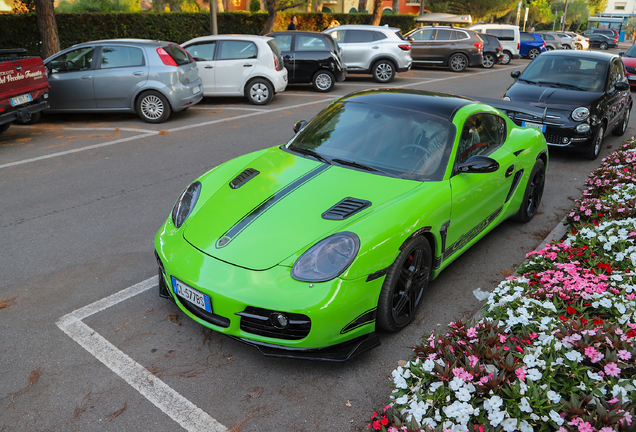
(456,48)
(150,78)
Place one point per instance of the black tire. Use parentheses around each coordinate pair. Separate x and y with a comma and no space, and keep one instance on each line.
(489,60)
(533,193)
(603,46)
(506,57)
(549,48)
(622,126)
(597,144)
(533,53)
(404,285)
(458,62)
(4,127)
(578,46)
(383,71)
(35,118)
(567,47)
(153,107)
(323,81)
(259,91)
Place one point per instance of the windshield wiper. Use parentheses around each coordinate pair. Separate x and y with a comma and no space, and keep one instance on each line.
(570,86)
(357,165)
(310,152)
(527,80)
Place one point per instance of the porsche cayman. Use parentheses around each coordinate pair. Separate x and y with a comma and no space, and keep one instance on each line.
(307,249)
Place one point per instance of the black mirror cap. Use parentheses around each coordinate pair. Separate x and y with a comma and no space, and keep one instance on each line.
(479,164)
(622,53)
(515,74)
(299,125)
(621,85)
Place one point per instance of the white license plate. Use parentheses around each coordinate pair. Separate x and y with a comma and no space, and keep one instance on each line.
(539,126)
(195,297)
(22,99)
(196,90)
(631,77)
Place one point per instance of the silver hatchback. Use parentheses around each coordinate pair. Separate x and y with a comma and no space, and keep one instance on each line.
(377,50)
(150,78)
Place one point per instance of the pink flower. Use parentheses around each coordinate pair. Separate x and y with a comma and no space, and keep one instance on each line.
(586,427)
(471,333)
(502,338)
(474,360)
(612,370)
(612,401)
(593,354)
(624,355)
(521,373)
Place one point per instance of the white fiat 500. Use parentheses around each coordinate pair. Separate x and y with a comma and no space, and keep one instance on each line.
(239,65)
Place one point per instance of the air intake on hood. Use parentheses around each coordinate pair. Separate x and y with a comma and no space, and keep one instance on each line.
(345,208)
(243,178)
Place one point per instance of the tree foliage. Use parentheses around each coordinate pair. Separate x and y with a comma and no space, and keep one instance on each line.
(274,6)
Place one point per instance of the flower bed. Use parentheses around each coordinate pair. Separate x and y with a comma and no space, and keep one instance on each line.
(555,349)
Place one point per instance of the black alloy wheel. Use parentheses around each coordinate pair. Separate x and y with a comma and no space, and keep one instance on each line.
(404,285)
(622,127)
(597,143)
(603,46)
(533,53)
(489,60)
(533,194)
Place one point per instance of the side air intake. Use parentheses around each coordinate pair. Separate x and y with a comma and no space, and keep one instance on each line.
(243,178)
(345,208)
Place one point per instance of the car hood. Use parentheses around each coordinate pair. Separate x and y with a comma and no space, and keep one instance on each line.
(551,97)
(279,211)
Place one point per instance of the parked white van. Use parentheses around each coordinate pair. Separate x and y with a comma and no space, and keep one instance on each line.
(507,34)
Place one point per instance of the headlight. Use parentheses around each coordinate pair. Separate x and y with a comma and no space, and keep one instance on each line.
(185,204)
(327,259)
(580,113)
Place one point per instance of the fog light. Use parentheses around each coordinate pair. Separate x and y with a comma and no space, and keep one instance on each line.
(583,127)
(279,320)
(565,140)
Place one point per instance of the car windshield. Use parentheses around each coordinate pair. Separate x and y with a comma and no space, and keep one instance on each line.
(385,140)
(631,52)
(578,73)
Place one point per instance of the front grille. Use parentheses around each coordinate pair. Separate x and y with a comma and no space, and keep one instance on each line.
(553,139)
(630,69)
(345,208)
(257,321)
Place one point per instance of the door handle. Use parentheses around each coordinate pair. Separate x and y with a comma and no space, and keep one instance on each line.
(510,170)
(248,65)
(375,47)
(209,67)
(138,73)
(86,77)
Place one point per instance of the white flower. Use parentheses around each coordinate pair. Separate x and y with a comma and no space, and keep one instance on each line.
(556,418)
(418,409)
(427,421)
(428,365)
(456,383)
(574,356)
(433,387)
(594,376)
(554,396)
(509,425)
(493,403)
(525,427)
(496,417)
(463,394)
(402,400)
(525,405)
(621,308)
(533,375)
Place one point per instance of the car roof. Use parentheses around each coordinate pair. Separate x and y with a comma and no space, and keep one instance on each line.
(127,41)
(364,26)
(307,32)
(596,55)
(247,37)
(437,104)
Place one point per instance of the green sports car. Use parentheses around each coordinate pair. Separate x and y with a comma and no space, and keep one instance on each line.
(306,248)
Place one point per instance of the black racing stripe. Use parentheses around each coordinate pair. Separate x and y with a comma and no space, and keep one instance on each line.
(467,237)
(235,230)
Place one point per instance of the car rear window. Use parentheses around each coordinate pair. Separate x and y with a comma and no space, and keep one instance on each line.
(178,54)
(502,34)
(274,48)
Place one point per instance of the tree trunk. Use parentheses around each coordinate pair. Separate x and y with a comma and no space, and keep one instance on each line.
(219,6)
(396,6)
(507,17)
(362,5)
(377,12)
(48,27)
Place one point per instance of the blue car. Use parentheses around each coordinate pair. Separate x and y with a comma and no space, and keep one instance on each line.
(531,45)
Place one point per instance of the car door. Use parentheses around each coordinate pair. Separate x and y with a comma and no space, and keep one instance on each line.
(120,71)
(285,43)
(616,99)
(311,52)
(421,44)
(478,198)
(71,79)
(361,47)
(203,54)
(445,41)
(235,63)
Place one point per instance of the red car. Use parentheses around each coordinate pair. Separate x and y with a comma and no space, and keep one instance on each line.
(629,60)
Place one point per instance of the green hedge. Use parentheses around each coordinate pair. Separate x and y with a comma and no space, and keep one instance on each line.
(21,30)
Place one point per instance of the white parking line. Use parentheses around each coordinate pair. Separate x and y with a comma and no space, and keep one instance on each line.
(178,408)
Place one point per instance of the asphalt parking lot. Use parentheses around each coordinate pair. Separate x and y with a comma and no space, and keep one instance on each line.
(87,343)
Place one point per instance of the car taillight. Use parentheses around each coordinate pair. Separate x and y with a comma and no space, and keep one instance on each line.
(479,45)
(277,64)
(165,57)
(404,47)
(543,44)
(500,48)
(518,45)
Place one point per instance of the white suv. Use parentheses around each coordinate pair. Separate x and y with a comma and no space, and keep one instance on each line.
(239,65)
(378,50)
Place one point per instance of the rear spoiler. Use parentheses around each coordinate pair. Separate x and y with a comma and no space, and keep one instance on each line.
(514,107)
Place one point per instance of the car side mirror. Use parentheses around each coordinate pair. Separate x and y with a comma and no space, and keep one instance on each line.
(622,53)
(621,86)
(479,164)
(515,74)
(410,39)
(299,125)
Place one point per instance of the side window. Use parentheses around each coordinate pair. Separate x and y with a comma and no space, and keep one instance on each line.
(495,32)
(310,43)
(379,35)
(338,35)
(443,35)
(424,35)
(527,37)
(231,50)
(118,56)
(360,36)
(202,52)
(79,59)
(482,134)
(284,42)
(460,35)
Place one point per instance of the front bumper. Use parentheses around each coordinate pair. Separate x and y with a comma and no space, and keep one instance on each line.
(332,320)
(560,131)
